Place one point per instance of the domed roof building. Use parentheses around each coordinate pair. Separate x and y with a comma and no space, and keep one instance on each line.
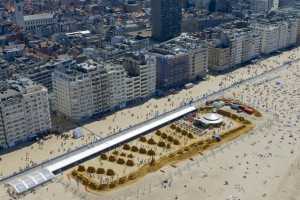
(210,119)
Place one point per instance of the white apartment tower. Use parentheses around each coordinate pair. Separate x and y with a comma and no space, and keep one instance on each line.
(276,35)
(140,76)
(251,45)
(24,112)
(80,90)
(234,39)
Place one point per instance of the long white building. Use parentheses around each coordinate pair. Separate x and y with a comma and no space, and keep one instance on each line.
(24,112)
(36,22)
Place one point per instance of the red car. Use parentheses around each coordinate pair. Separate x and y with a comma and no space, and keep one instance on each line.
(247,110)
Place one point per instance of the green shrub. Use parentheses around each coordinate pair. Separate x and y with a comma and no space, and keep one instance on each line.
(110,172)
(126,147)
(161,144)
(100,171)
(170,138)
(134,149)
(120,161)
(176,142)
(158,132)
(91,169)
(151,141)
(142,151)
(164,136)
(143,139)
(112,159)
(130,163)
(103,156)
(151,152)
(81,168)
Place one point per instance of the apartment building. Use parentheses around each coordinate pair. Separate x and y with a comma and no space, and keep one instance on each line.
(250,45)
(87,89)
(276,35)
(269,37)
(24,111)
(171,68)
(182,59)
(117,85)
(292,31)
(141,74)
(197,51)
(231,46)
(235,40)
(80,90)
(218,56)
(42,74)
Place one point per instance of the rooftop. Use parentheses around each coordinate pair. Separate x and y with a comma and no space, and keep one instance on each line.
(38,16)
(12,88)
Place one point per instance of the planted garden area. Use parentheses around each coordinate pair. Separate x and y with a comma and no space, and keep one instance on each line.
(168,145)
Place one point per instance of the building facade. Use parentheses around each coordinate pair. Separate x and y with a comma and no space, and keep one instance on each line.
(166,19)
(24,112)
(218,56)
(87,89)
(171,70)
(36,22)
(197,51)
(276,35)
(80,90)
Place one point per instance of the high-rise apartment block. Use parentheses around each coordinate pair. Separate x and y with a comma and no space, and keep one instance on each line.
(218,56)
(232,47)
(182,59)
(80,90)
(141,74)
(250,45)
(166,19)
(24,111)
(276,35)
(90,88)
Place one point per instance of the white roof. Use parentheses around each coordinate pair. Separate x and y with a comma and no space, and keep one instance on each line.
(211,118)
(79,33)
(38,16)
(28,181)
